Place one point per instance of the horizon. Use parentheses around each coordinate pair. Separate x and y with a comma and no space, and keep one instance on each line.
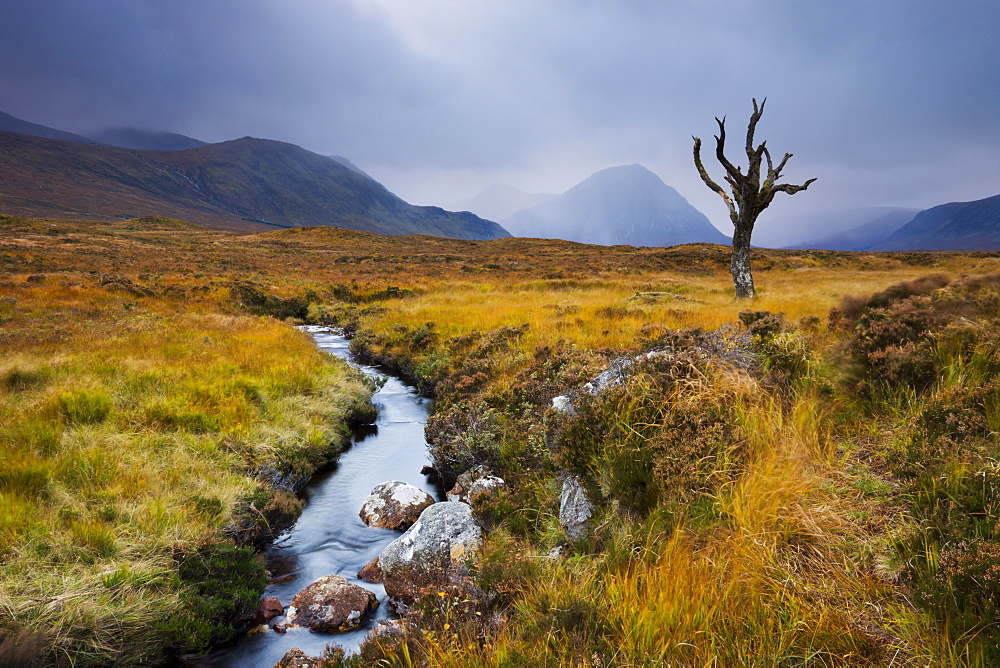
(437,101)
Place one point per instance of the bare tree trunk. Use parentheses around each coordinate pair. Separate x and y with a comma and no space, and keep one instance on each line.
(739,264)
(750,195)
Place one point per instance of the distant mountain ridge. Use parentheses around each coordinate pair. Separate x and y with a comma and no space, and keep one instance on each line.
(500,201)
(10,123)
(953,226)
(627,205)
(146,139)
(244,184)
(876,227)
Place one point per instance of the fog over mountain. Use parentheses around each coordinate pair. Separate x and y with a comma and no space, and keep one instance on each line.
(350,165)
(620,205)
(876,224)
(954,226)
(499,201)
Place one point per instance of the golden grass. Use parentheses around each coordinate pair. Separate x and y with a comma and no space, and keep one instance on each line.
(132,433)
(93,500)
(772,582)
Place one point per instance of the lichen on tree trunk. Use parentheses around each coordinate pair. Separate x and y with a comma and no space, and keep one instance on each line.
(739,266)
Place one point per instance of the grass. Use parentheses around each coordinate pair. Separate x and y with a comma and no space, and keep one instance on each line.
(136,433)
(762,497)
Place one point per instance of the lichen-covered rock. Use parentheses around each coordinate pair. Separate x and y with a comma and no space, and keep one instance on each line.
(575,509)
(392,629)
(371,572)
(432,553)
(331,604)
(296,658)
(475,484)
(394,505)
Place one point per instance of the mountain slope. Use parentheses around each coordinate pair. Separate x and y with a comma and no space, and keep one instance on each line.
(146,139)
(620,205)
(955,226)
(10,123)
(245,184)
(500,201)
(350,165)
(863,235)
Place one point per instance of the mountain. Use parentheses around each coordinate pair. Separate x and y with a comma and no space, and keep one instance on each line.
(499,201)
(244,184)
(620,205)
(146,139)
(10,123)
(872,231)
(955,226)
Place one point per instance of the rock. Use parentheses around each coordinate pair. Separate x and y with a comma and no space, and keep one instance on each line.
(432,553)
(563,404)
(331,604)
(474,484)
(575,509)
(371,572)
(608,378)
(268,608)
(392,629)
(296,658)
(394,505)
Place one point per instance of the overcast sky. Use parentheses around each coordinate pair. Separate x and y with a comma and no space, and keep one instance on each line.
(887,103)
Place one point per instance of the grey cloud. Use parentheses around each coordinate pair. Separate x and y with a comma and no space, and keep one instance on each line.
(878,99)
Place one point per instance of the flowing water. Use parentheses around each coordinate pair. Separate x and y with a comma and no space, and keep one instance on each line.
(329,538)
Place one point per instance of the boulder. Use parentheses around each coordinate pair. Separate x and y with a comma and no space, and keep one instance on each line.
(474,484)
(296,658)
(371,572)
(394,505)
(331,604)
(392,629)
(268,608)
(575,509)
(432,553)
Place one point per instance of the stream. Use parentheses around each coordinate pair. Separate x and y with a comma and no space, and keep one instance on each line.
(329,538)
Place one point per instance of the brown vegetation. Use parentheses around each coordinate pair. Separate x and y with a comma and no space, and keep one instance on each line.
(769,489)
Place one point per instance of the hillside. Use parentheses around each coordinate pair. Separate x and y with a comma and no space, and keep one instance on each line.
(620,205)
(955,226)
(246,184)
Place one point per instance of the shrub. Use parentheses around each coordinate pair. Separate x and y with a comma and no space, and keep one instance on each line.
(85,406)
(19,379)
(221,584)
(965,590)
(463,436)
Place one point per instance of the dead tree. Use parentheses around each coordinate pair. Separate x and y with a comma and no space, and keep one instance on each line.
(750,197)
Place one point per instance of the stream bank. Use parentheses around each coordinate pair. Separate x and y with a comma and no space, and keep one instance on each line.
(329,537)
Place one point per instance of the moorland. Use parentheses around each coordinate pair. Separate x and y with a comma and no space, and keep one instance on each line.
(808,478)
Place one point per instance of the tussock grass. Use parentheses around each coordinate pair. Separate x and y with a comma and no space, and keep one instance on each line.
(134,436)
(806,507)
